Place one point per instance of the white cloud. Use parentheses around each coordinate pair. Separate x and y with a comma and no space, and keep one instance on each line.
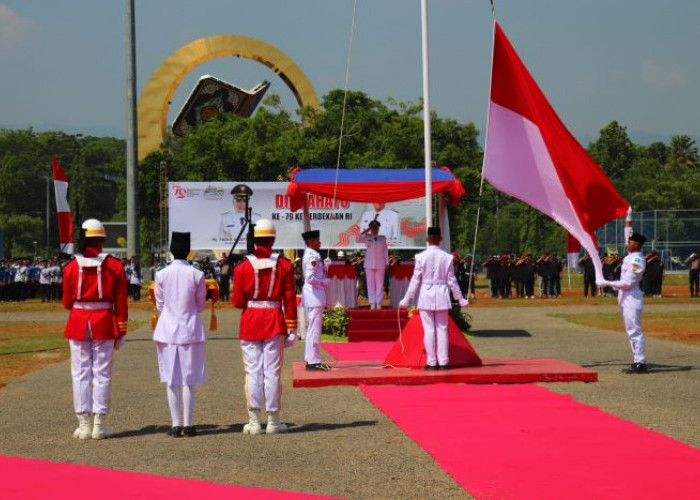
(13,28)
(659,76)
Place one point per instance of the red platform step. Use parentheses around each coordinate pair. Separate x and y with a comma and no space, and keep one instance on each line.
(375,324)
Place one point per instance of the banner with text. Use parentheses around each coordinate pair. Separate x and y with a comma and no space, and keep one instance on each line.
(214,218)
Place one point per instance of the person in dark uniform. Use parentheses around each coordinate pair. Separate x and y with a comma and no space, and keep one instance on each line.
(586,264)
(556,269)
(693,263)
(492,266)
(544,271)
(653,275)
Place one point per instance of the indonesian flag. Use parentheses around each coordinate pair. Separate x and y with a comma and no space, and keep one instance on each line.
(65,218)
(530,154)
(573,247)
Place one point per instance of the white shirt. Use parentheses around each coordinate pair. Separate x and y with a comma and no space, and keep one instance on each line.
(181,293)
(389,220)
(377,254)
(313,293)
(434,274)
(629,294)
(230,225)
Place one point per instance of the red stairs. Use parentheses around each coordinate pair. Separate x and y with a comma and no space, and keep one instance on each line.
(375,324)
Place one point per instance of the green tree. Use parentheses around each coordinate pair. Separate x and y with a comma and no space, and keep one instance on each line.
(613,151)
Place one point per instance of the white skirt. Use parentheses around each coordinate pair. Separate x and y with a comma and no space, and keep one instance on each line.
(181,364)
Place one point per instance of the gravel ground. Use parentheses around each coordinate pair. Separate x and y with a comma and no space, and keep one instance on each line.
(339,444)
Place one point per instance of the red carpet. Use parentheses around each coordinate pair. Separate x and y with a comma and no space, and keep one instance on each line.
(526,442)
(30,479)
(357,351)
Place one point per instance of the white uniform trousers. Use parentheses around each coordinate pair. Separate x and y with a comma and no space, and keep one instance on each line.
(314,325)
(633,325)
(435,338)
(91,368)
(263,366)
(375,285)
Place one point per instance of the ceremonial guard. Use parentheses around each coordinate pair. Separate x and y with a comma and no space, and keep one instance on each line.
(313,296)
(693,263)
(263,286)
(434,275)
(631,299)
(376,262)
(181,294)
(94,289)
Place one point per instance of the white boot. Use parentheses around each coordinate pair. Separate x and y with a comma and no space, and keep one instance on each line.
(99,428)
(84,429)
(274,426)
(253,426)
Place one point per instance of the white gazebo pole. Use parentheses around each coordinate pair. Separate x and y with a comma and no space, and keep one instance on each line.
(426,117)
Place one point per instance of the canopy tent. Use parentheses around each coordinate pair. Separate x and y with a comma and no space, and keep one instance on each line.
(370,184)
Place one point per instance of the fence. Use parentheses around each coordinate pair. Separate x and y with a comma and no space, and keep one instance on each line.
(673,234)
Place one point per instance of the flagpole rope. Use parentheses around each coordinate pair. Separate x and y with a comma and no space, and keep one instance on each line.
(483,163)
(493,10)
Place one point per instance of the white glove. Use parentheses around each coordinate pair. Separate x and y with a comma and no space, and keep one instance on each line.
(403,304)
(290,339)
(119,342)
(602,283)
(463,303)
(327,261)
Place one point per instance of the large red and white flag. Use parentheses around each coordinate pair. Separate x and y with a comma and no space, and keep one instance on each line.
(65,218)
(530,154)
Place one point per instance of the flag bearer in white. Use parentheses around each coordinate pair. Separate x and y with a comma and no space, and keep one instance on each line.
(434,274)
(313,296)
(94,289)
(376,262)
(181,294)
(631,299)
(264,289)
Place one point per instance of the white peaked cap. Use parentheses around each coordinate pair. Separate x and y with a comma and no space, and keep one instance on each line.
(264,228)
(94,228)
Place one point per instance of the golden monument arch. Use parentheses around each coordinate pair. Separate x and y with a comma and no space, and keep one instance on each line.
(156,97)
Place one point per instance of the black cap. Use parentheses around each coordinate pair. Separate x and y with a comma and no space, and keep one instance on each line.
(638,238)
(311,235)
(180,244)
(241,192)
(434,231)
(374,223)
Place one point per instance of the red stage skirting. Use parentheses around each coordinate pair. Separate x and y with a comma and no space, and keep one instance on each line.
(526,442)
(30,479)
(493,371)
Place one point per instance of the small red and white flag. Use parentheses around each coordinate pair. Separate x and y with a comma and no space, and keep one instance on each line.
(573,247)
(65,218)
(530,154)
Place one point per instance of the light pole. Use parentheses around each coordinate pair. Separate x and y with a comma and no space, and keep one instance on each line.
(132,222)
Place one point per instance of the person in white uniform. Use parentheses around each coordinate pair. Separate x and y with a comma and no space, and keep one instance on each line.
(434,275)
(376,262)
(630,298)
(230,223)
(181,294)
(388,218)
(313,296)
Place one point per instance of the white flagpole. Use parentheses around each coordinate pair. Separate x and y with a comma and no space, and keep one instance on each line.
(427,135)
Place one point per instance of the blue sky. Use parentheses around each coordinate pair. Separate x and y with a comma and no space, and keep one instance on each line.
(62,62)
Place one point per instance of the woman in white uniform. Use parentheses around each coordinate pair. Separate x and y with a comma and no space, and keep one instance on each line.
(181,294)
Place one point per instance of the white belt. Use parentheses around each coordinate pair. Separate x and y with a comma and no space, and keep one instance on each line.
(92,305)
(265,304)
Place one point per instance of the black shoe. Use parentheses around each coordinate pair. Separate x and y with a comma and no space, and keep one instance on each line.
(637,368)
(175,432)
(430,367)
(444,367)
(189,431)
(318,367)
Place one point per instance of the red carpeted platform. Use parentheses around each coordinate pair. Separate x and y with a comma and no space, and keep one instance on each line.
(31,479)
(526,442)
(377,325)
(492,371)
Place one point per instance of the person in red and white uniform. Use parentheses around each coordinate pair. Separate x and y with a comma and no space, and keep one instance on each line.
(434,277)
(181,294)
(376,262)
(94,290)
(263,287)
